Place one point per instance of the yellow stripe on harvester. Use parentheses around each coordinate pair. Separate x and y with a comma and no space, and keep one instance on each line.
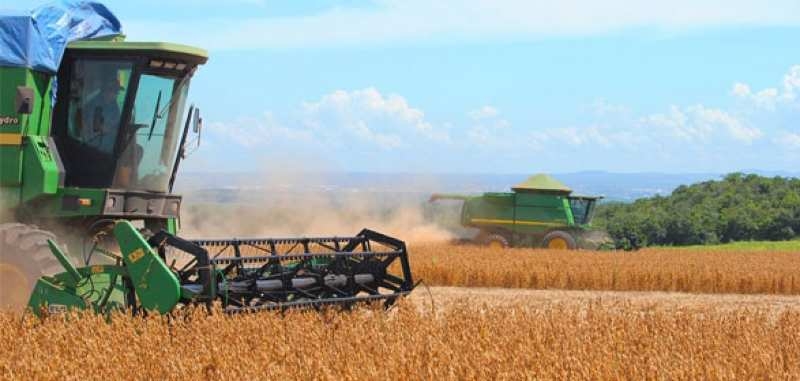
(10,139)
(511,222)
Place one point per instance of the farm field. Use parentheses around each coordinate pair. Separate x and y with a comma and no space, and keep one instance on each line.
(481,314)
(652,269)
(489,297)
(526,335)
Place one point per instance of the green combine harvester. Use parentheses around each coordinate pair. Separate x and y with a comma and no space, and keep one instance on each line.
(540,212)
(90,145)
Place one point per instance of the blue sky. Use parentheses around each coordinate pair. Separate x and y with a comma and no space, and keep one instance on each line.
(488,86)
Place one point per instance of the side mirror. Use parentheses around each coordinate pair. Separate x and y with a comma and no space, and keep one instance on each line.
(197,124)
(197,121)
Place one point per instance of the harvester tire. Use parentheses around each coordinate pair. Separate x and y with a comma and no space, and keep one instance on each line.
(496,241)
(559,240)
(24,258)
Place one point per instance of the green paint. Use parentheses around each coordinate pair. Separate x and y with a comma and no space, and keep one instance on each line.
(568,211)
(537,206)
(54,206)
(125,46)
(172,226)
(156,286)
(33,189)
(30,182)
(64,261)
(41,174)
(37,123)
(54,297)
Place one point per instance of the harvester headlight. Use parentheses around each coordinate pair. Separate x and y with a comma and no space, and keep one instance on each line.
(156,63)
(169,65)
(180,66)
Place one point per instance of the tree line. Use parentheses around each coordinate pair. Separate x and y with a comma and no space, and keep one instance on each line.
(740,207)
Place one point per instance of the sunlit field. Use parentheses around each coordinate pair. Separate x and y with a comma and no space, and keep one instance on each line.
(528,327)
(655,269)
(591,340)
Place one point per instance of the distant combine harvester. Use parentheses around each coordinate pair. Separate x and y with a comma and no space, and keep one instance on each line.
(540,212)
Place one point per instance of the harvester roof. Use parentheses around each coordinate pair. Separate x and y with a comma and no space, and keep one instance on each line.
(541,183)
(146,47)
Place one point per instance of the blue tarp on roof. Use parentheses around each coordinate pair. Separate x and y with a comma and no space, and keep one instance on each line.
(37,40)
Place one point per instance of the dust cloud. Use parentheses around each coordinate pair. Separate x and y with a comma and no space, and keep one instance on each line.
(295,203)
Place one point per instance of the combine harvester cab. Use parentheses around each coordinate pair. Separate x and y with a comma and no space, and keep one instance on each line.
(540,212)
(95,159)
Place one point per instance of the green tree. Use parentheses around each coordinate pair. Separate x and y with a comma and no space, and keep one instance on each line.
(738,207)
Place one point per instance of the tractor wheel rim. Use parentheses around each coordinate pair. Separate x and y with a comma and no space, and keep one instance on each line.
(496,245)
(558,243)
(13,286)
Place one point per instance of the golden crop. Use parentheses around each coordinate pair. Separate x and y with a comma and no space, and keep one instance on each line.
(600,338)
(559,341)
(645,270)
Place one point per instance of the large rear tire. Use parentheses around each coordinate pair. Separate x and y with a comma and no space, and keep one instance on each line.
(496,241)
(24,258)
(559,240)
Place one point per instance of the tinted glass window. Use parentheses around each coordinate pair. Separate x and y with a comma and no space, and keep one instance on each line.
(580,209)
(148,149)
(95,98)
(97,92)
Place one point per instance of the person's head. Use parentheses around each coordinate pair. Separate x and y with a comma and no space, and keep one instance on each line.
(110,89)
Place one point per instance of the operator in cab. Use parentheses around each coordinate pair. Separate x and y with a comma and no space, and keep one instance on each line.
(100,117)
(100,127)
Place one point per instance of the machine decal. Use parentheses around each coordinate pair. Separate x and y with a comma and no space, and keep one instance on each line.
(511,222)
(10,139)
(136,255)
(8,120)
(54,309)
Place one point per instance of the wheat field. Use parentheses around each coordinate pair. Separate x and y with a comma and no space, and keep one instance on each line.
(466,333)
(466,341)
(697,271)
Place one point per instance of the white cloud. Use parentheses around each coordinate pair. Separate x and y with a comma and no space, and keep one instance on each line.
(791,83)
(483,113)
(741,90)
(770,98)
(344,120)
(464,20)
(699,124)
(489,130)
(366,115)
(790,140)
(603,108)
(715,118)
(587,136)
(369,115)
